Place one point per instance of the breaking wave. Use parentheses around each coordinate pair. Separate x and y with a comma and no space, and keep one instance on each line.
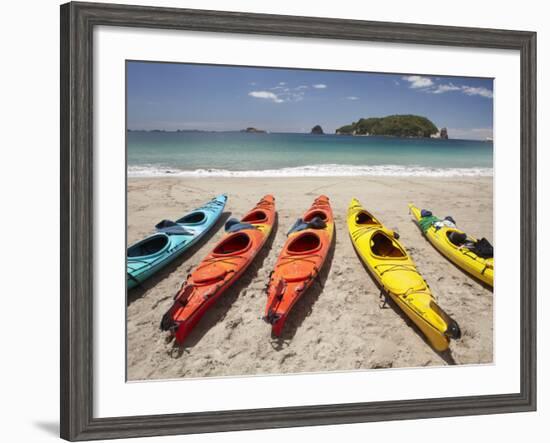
(328,170)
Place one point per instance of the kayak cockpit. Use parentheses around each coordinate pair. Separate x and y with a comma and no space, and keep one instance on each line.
(255,217)
(306,243)
(194,218)
(364,218)
(456,238)
(149,246)
(232,245)
(315,214)
(384,246)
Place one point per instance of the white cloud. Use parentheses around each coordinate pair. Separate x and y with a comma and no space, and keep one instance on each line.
(253,83)
(281,96)
(352,97)
(282,93)
(417,81)
(266,95)
(483,92)
(291,96)
(440,89)
(425,84)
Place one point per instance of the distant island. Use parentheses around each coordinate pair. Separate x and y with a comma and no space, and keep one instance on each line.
(317,130)
(393,125)
(253,131)
(409,125)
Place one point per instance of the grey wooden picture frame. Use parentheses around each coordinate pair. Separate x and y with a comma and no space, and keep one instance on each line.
(77,24)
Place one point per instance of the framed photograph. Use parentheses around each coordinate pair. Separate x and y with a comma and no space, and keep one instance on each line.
(272,221)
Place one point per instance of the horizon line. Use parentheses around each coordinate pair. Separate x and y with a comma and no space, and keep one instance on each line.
(292,132)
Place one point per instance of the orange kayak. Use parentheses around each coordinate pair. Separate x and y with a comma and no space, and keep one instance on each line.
(300,261)
(220,269)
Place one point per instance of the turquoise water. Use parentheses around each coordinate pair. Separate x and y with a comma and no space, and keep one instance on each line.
(243,154)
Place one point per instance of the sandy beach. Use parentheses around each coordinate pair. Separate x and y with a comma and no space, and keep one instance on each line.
(336,325)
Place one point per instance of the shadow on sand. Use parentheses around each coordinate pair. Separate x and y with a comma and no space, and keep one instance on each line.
(445,355)
(219,310)
(304,306)
(139,291)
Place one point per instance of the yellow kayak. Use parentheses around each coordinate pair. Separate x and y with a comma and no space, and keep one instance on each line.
(481,268)
(396,273)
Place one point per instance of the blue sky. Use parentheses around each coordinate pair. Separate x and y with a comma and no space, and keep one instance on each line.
(174,96)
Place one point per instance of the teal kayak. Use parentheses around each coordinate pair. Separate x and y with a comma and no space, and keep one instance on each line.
(170,240)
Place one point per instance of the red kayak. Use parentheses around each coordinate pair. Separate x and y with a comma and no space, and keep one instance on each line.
(220,269)
(300,261)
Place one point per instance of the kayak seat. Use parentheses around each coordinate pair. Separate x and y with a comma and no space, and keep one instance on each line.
(175,230)
(171,228)
(308,242)
(149,246)
(314,223)
(193,219)
(255,217)
(383,246)
(315,214)
(233,244)
(234,225)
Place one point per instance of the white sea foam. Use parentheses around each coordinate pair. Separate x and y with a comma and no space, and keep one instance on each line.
(329,170)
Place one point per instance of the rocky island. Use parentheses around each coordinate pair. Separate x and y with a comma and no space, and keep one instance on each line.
(393,125)
(317,130)
(253,131)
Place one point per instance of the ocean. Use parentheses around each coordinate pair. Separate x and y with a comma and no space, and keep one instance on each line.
(227,154)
